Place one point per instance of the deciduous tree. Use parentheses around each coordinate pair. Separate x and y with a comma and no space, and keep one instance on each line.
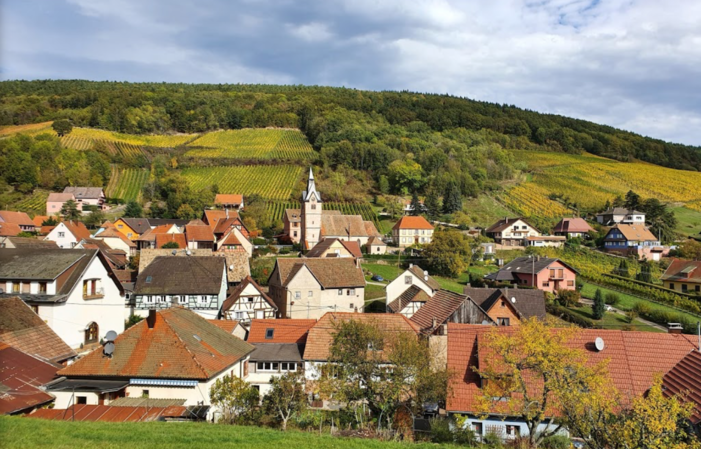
(233,396)
(62,127)
(286,396)
(448,253)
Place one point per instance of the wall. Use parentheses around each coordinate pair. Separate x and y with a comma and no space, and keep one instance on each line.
(506,311)
(395,288)
(498,425)
(67,241)
(553,286)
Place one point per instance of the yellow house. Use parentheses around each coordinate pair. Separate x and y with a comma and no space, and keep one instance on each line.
(132,228)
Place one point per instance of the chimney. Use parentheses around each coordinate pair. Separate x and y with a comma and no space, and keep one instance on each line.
(151,319)
(434,323)
(674,328)
(411,265)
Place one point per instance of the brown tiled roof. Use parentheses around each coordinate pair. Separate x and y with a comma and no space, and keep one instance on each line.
(211,216)
(439,308)
(293,215)
(330,272)
(226,198)
(419,273)
(572,225)
(634,358)
(181,345)
(108,413)
(284,330)
(352,247)
(199,233)
(321,334)
(236,294)
(21,379)
(529,302)
(19,218)
(181,276)
(78,229)
(227,325)
(341,225)
(162,239)
(636,232)
(55,197)
(505,223)
(412,222)
(411,294)
(376,241)
(683,270)
(125,275)
(23,329)
(685,380)
(9,229)
(30,242)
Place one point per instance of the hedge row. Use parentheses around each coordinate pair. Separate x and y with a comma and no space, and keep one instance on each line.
(663,317)
(647,284)
(570,316)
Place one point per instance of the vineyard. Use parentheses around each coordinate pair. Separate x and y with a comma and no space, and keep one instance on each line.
(276,210)
(528,200)
(127,151)
(252,144)
(35,203)
(272,182)
(127,184)
(161,141)
(589,181)
(31,129)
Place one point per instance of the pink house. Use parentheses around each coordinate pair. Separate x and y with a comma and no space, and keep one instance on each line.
(544,273)
(82,196)
(55,202)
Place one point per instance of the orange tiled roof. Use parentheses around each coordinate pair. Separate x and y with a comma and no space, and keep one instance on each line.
(285,331)
(78,229)
(39,219)
(225,198)
(685,379)
(19,218)
(181,345)
(634,358)
(412,222)
(114,233)
(9,229)
(636,233)
(162,239)
(683,271)
(199,233)
(321,335)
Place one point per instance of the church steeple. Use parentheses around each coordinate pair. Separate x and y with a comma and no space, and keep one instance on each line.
(311,214)
(311,188)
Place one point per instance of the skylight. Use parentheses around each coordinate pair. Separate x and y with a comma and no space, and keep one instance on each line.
(148,279)
(269,334)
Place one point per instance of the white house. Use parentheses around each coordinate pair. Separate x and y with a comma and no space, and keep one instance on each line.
(621,215)
(308,288)
(173,354)
(415,277)
(67,234)
(74,291)
(247,302)
(512,231)
(194,282)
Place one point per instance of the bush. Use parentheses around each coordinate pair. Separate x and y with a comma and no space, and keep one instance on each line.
(611,298)
(568,298)
(440,430)
(556,442)
(259,241)
(568,315)
(492,439)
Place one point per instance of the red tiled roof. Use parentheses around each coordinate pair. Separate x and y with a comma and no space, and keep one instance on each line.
(21,379)
(199,233)
(685,380)
(224,198)
(227,325)
(78,229)
(106,413)
(9,229)
(181,345)
(19,218)
(572,225)
(23,329)
(634,358)
(285,331)
(412,222)
(162,239)
(683,270)
(321,334)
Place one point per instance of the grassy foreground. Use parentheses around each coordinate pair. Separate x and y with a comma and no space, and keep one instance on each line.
(18,432)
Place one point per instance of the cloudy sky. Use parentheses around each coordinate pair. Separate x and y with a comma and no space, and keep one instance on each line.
(634,64)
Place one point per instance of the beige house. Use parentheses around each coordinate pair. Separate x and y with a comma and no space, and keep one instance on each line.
(308,288)
(335,248)
(512,231)
(410,290)
(411,230)
(376,246)
(683,276)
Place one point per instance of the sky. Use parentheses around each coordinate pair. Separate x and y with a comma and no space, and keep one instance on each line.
(632,64)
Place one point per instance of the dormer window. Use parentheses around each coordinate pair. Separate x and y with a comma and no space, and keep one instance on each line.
(269,333)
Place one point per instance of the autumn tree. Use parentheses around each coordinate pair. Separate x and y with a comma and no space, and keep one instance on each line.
(234,397)
(448,253)
(286,396)
(690,249)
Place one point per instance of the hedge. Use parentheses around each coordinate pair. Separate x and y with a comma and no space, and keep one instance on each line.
(647,284)
(568,315)
(663,317)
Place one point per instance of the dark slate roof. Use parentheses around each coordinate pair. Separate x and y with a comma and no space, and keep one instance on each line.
(529,302)
(277,352)
(168,275)
(620,211)
(27,242)
(413,293)
(84,192)
(21,379)
(181,345)
(236,294)
(139,225)
(39,263)
(524,265)
(167,221)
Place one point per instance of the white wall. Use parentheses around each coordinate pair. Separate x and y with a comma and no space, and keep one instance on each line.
(321,301)
(500,427)
(398,286)
(67,241)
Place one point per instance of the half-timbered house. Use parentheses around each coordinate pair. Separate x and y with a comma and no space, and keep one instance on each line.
(246,302)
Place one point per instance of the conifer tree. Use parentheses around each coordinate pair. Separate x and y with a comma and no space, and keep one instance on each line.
(599,306)
(415,204)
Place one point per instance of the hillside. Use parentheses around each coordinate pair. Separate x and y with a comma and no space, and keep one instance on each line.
(19,432)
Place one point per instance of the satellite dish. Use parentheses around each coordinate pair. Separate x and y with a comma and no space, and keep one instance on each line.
(188,252)
(108,349)
(110,336)
(485,322)
(599,343)
(513,299)
(174,252)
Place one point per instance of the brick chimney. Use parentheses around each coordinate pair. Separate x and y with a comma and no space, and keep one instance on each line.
(674,328)
(151,319)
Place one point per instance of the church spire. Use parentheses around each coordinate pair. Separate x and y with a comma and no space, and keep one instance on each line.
(311,187)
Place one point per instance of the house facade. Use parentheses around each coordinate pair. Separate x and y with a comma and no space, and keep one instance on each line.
(543,273)
(627,240)
(20,219)
(132,228)
(511,231)
(55,201)
(412,230)
(620,215)
(412,276)
(308,288)
(247,302)
(508,306)
(73,291)
(683,276)
(92,197)
(196,283)
(182,356)
(67,234)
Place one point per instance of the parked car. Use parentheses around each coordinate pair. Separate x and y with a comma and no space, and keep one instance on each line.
(377,278)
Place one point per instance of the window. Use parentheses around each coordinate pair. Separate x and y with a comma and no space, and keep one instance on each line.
(268,366)
(351,292)
(15,287)
(81,400)
(570,283)
(685,288)
(503,304)
(42,287)
(295,233)
(671,286)
(503,321)
(313,206)
(310,293)
(245,368)
(546,284)
(477,428)
(61,234)
(298,295)
(149,299)
(144,394)
(91,333)
(250,299)
(203,299)
(120,226)
(407,280)
(552,272)
(129,234)
(181,299)
(288,366)
(340,292)
(148,279)
(269,333)
(513,431)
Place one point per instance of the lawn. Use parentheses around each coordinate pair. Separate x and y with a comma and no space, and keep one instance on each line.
(373,291)
(484,210)
(688,221)
(390,272)
(626,301)
(614,321)
(17,432)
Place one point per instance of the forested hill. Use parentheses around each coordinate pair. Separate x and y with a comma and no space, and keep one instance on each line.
(373,124)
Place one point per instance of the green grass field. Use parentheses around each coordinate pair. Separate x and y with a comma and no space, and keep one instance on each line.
(485,210)
(688,221)
(23,433)
(614,321)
